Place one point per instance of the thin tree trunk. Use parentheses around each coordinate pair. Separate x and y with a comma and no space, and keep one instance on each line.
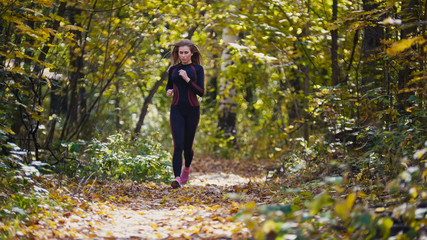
(306,71)
(71,121)
(77,65)
(147,102)
(371,68)
(227,92)
(83,104)
(117,106)
(54,110)
(334,47)
(55,98)
(306,95)
(118,66)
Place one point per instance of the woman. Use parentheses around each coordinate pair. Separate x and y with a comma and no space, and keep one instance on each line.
(186,80)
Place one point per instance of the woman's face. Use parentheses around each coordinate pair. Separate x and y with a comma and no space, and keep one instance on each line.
(185,54)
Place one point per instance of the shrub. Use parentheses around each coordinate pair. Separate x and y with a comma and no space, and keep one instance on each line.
(118,159)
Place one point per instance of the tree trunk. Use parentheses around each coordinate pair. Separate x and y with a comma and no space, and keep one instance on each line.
(55,107)
(117,106)
(77,62)
(83,105)
(227,104)
(147,102)
(294,105)
(371,68)
(306,70)
(306,133)
(334,47)
(54,110)
(211,92)
(76,65)
(409,14)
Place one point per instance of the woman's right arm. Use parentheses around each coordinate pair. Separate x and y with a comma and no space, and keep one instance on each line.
(169,85)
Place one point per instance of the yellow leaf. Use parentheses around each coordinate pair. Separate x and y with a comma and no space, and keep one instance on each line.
(404,44)
(13,19)
(362,194)
(350,201)
(73,28)
(250,205)
(414,192)
(37,117)
(46,3)
(9,130)
(215,207)
(154,226)
(379,209)
(251,224)
(388,223)
(342,211)
(385,225)
(424,177)
(343,208)
(419,153)
(268,226)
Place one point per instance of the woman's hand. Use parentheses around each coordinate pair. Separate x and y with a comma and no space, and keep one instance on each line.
(169,92)
(184,75)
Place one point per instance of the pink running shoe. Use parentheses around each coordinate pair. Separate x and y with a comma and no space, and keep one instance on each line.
(185,174)
(176,183)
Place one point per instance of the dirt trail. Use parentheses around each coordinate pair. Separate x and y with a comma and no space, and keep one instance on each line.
(202,209)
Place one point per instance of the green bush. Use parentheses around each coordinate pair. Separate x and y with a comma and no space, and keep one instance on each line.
(118,159)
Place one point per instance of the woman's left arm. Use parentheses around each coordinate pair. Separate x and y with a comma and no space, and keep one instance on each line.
(198,84)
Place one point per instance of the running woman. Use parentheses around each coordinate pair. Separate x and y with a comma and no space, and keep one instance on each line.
(186,80)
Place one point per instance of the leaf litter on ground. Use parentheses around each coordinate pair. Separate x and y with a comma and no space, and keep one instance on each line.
(202,209)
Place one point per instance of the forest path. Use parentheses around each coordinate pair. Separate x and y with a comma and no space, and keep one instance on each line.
(202,209)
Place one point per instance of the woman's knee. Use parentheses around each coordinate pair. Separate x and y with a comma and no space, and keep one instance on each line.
(179,147)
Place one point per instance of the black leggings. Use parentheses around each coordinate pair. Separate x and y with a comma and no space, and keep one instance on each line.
(183,123)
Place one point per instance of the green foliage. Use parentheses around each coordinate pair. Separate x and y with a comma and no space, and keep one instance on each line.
(337,213)
(118,159)
(22,197)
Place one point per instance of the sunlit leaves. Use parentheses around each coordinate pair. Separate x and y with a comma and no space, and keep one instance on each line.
(46,3)
(343,208)
(404,44)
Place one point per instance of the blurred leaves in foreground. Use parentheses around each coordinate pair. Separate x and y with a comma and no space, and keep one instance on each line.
(346,209)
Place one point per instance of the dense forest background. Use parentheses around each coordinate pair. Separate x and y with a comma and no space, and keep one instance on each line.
(315,87)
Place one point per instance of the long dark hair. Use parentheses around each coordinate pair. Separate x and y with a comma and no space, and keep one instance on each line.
(196,58)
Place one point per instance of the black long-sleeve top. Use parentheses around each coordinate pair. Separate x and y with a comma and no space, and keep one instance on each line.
(184,93)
